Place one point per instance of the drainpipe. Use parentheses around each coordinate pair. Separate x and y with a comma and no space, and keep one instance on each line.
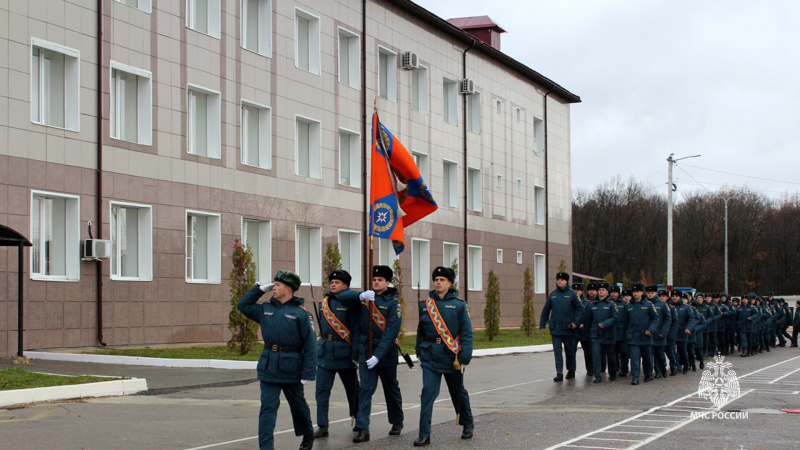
(466,174)
(546,199)
(99,196)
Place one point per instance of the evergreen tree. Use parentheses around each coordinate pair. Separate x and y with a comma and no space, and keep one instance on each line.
(243,277)
(563,266)
(331,262)
(528,311)
(609,278)
(491,314)
(397,268)
(454,266)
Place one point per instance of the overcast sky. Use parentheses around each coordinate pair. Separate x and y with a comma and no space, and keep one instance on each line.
(716,78)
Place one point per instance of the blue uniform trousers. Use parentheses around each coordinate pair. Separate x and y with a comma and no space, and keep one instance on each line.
(621,349)
(660,360)
(710,343)
(603,351)
(431,382)
(325,379)
(569,343)
(640,353)
(743,341)
(682,355)
(270,400)
(391,392)
(674,364)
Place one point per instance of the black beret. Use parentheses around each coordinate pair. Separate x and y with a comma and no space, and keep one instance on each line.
(446,272)
(562,276)
(603,285)
(384,272)
(651,288)
(663,292)
(591,286)
(627,292)
(340,275)
(577,287)
(614,288)
(288,278)
(637,287)
(676,292)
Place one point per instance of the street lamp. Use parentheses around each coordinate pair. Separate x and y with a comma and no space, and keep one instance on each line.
(670,189)
(725,200)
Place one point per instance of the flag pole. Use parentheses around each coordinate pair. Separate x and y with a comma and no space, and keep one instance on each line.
(371,257)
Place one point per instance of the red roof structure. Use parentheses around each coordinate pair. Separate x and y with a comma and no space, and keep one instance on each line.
(482,27)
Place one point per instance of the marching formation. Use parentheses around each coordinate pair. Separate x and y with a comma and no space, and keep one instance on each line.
(658,333)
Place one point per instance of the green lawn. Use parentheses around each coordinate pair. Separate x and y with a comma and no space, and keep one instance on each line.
(19,378)
(506,338)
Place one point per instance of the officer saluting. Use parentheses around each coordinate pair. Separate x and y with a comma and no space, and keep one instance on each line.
(444,344)
(564,312)
(289,356)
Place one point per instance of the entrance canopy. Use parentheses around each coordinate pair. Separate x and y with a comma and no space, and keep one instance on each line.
(11,238)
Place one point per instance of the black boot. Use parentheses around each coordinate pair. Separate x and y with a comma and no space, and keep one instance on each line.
(308,442)
(362,436)
(322,432)
(558,377)
(597,379)
(422,441)
(467,433)
(685,370)
(396,429)
(570,374)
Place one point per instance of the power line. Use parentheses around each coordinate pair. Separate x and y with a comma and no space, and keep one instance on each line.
(745,176)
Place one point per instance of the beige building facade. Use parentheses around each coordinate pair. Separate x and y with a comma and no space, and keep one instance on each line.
(215,120)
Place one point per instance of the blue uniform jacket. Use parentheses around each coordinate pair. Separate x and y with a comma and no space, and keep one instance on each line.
(730,317)
(332,352)
(700,328)
(673,326)
(583,333)
(455,314)
(566,309)
(601,312)
(725,312)
(758,318)
(708,314)
(745,315)
(383,346)
(664,322)
(640,316)
(796,320)
(287,325)
(619,327)
(686,319)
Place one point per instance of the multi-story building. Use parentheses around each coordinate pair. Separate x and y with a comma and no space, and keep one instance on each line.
(172,128)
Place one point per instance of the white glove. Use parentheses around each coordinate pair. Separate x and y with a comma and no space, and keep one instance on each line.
(372,362)
(266,287)
(367,295)
(305,381)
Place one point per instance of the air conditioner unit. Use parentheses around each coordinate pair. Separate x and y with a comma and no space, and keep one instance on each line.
(410,61)
(467,87)
(96,249)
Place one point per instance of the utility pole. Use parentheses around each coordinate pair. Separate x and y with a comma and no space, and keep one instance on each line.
(725,200)
(670,189)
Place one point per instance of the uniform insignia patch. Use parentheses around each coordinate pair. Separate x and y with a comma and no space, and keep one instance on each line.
(450,306)
(268,313)
(467,308)
(399,313)
(289,316)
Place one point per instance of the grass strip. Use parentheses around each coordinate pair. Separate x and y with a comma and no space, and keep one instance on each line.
(20,378)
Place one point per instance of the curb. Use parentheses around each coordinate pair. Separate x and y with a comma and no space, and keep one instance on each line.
(87,390)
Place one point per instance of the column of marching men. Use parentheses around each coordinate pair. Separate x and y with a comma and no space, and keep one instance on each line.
(654,333)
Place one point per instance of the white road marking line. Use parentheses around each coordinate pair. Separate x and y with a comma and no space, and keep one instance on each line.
(782,377)
(642,426)
(656,420)
(768,367)
(609,439)
(587,446)
(219,444)
(624,432)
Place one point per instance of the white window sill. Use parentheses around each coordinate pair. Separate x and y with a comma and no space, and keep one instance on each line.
(53,278)
(192,281)
(57,128)
(204,33)
(116,278)
(255,52)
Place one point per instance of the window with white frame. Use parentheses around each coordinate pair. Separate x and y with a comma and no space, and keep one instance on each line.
(257,234)
(474,190)
(538,136)
(519,114)
(386,253)
(204,16)
(257,26)
(420,264)
(475,263)
(307,147)
(256,135)
(519,185)
(55,235)
(450,255)
(474,112)
(306,41)
(131,104)
(500,256)
(204,123)
(450,183)
(498,106)
(420,90)
(144,5)
(387,74)
(538,206)
(350,249)
(203,247)
(55,85)
(421,160)
(131,241)
(307,256)
(538,273)
(519,257)
(349,158)
(349,58)
(450,101)
(499,181)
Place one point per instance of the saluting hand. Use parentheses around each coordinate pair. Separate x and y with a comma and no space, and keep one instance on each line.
(367,296)
(266,287)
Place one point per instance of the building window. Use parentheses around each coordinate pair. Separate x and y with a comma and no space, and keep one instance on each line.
(307,148)
(306,41)
(308,258)
(55,235)
(386,253)
(257,234)
(420,264)
(350,249)
(203,247)
(349,158)
(257,26)
(500,256)
(55,85)
(204,123)
(519,257)
(387,74)
(450,183)
(420,90)
(538,136)
(474,190)
(474,112)
(519,185)
(538,273)
(256,135)
(538,198)
(131,242)
(498,105)
(499,182)
(144,5)
(449,102)
(421,161)
(475,263)
(131,104)
(519,114)
(349,59)
(450,257)
(204,16)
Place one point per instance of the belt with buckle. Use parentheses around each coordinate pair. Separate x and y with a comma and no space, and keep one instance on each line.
(437,340)
(278,348)
(333,337)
